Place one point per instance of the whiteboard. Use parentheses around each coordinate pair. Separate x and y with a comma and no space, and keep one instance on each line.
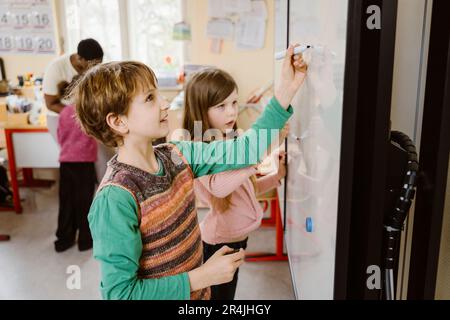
(314,161)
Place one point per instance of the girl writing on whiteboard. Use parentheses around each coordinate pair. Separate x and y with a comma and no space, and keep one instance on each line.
(212,100)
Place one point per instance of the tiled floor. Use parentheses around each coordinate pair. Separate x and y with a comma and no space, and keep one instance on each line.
(31,269)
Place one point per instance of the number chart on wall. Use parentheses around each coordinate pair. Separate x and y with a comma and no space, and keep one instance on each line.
(26,27)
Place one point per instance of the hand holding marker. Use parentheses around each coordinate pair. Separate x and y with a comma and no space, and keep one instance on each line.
(297,50)
(254,98)
(300,50)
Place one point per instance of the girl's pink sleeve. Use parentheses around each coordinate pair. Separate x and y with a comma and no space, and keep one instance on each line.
(267,183)
(61,129)
(222,184)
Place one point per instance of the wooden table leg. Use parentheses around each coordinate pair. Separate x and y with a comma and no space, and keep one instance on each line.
(4,238)
(30,182)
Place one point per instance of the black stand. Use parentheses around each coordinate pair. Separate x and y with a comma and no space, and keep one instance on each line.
(401,186)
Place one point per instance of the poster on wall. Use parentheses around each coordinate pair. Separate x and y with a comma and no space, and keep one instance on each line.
(26,27)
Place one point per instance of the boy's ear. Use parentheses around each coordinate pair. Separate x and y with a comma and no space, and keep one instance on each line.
(117,123)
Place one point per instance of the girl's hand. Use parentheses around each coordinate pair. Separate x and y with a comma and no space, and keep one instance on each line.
(276,144)
(293,75)
(219,269)
(254,98)
(284,133)
(281,165)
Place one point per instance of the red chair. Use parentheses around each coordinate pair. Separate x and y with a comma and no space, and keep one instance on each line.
(273,221)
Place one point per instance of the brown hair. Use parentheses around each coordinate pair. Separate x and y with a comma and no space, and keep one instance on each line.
(109,88)
(204,90)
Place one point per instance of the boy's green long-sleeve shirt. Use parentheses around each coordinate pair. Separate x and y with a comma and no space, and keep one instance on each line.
(113,217)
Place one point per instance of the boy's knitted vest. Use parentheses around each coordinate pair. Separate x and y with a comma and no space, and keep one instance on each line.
(167,215)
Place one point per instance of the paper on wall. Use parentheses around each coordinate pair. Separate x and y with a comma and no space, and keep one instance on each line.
(237,6)
(27,27)
(250,33)
(216,9)
(259,9)
(215,46)
(220,29)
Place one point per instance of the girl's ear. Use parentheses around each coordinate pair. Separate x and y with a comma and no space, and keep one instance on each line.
(118,123)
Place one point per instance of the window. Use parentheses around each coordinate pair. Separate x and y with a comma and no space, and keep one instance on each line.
(98,19)
(151,31)
(127,29)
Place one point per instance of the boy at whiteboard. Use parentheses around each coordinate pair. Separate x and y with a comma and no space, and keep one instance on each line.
(143,219)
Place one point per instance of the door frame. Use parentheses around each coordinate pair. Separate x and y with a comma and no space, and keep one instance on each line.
(434,159)
(364,153)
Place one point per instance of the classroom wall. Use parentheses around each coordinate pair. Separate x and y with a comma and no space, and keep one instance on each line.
(36,64)
(410,67)
(251,69)
(17,65)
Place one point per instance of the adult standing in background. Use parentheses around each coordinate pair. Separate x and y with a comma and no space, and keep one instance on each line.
(65,68)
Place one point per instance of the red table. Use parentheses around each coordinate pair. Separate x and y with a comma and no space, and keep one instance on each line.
(28,180)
